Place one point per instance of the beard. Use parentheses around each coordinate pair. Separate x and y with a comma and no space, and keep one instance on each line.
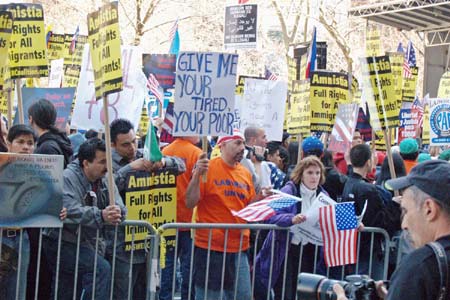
(238,156)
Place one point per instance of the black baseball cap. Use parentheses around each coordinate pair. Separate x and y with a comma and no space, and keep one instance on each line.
(431,177)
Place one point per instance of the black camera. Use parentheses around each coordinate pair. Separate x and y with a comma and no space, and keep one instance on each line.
(318,287)
(251,152)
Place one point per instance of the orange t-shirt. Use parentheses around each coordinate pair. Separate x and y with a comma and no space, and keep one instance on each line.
(189,153)
(227,188)
(409,164)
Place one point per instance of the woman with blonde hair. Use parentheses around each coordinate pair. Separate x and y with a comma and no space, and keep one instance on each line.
(306,180)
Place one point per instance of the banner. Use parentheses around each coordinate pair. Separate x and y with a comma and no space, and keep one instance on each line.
(444,86)
(397,59)
(162,66)
(408,123)
(300,110)
(410,85)
(379,90)
(55,46)
(61,99)
(104,40)
(440,122)
(150,197)
(30,190)
(6,25)
(73,60)
(88,113)
(263,105)
(342,134)
(327,90)
(373,41)
(241,26)
(204,94)
(56,73)
(28,47)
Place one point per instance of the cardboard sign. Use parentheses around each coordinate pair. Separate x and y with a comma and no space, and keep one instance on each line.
(6,24)
(104,40)
(263,106)
(150,197)
(88,113)
(300,110)
(61,99)
(397,59)
(241,27)
(410,85)
(408,123)
(73,60)
(55,48)
(204,94)
(30,190)
(379,90)
(373,41)
(162,66)
(327,90)
(56,73)
(440,122)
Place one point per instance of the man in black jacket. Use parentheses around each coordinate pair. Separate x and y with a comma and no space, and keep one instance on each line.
(365,194)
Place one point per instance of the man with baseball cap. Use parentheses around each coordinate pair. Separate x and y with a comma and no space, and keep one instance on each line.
(228,186)
(425,204)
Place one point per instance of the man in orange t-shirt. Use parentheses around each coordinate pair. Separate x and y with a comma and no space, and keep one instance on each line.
(409,151)
(228,187)
(184,148)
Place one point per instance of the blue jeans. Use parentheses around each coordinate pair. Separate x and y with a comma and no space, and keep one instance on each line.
(184,246)
(8,287)
(243,282)
(85,271)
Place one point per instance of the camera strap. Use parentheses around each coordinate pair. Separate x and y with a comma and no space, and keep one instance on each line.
(441,257)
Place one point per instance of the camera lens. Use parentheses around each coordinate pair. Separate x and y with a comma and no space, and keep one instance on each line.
(316,287)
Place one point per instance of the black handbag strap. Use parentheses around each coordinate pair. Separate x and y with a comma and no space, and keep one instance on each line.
(442,260)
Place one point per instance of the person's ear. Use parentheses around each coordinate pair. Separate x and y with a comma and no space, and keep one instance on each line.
(431,209)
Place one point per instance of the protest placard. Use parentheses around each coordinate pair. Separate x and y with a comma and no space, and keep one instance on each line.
(379,90)
(292,72)
(6,24)
(56,73)
(300,110)
(30,190)
(61,99)
(104,40)
(150,197)
(88,113)
(56,47)
(373,41)
(241,83)
(327,90)
(204,94)
(73,59)
(344,128)
(397,59)
(162,66)
(410,85)
(28,47)
(241,26)
(263,105)
(408,123)
(444,86)
(426,126)
(439,122)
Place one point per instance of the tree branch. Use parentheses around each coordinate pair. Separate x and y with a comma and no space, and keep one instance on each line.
(283,25)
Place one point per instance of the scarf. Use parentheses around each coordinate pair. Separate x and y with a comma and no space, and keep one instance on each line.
(308,196)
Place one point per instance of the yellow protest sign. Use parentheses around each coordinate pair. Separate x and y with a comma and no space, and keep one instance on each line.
(396,59)
(6,24)
(104,41)
(28,48)
(426,126)
(373,42)
(150,197)
(327,90)
(380,142)
(444,86)
(55,49)
(300,110)
(292,72)
(3,103)
(143,123)
(303,65)
(241,82)
(73,60)
(380,93)
(409,85)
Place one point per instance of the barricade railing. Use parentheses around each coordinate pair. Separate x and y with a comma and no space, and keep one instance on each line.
(370,238)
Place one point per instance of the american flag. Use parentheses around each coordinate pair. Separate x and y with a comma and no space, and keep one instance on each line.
(265,208)
(73,43)
(409,61)
(338,225)
(169,118)
(270,76)
(155,88)
(418,108)
(344,127)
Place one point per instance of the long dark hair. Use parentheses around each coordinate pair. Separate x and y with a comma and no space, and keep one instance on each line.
(43,113)
(399,167)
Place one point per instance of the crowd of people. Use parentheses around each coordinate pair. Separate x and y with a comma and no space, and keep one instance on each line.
(240,169)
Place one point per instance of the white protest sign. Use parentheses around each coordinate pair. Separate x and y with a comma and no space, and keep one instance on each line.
(439,122)
(88,113)
(56,73)
(263,106)
(309,231)
(204,94)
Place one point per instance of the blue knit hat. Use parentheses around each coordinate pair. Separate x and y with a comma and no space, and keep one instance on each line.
(312,146)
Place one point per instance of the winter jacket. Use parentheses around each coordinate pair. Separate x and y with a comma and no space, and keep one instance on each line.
(56,143)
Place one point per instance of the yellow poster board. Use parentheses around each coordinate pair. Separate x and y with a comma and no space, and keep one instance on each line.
(396,59)
(28,47)
(410,85)
(104,41)
(373,41)
(73,60)
(6,24)
(444,86)
(55,49)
